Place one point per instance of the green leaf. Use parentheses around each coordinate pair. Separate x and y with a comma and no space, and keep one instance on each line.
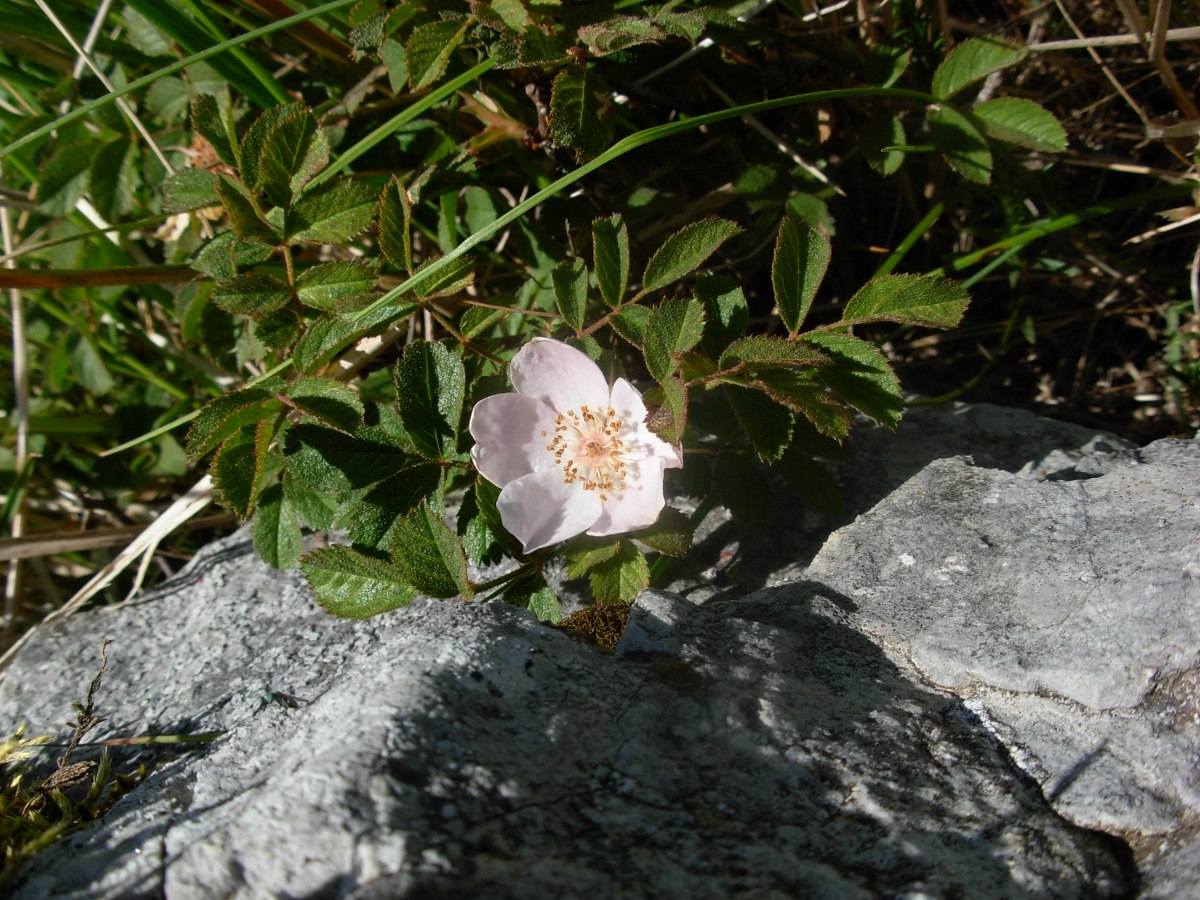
(332,212)
(429,555)
(329,285)
(447,280)
(331,462)
(328,401)
(276,530)
(727,313)
(630,323)
(933,301)
(256,138)
(223,416)
(613,35)
(252,294)
(861,377)
(395,224)
(885,131)
(739,486)
(685,251)
(430,381)
(767,424)
(221,257)
(670,419)
(371,519)
(671,535)
(610,254)
(89,368)
(585,552)
(112,179)
(963,146)
(534,594)
(621,578)
(759,351)
(238,469)
(675,326)
(277,329)
(477,538)
(212,118)
(570,279)
(512,13)
(328,335)
(391,54)
(294,149)
(581,116)
(486,495)
(813,483)
(313,508)
(1016,120)
(428,50)
(799,393)
(189,189)
(243,219)
(972,61)
(355,586)
(797,269)
(65,178)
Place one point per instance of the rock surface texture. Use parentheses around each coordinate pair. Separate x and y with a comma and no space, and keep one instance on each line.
(985,686)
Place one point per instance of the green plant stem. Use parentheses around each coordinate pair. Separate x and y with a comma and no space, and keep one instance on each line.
(910,239)
(171,69)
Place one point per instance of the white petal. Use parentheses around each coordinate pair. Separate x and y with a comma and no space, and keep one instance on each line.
(560,375)
(541,509)
(638,506)
(511,432)
(627,402)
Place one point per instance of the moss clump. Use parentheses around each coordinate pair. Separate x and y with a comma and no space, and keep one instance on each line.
(602,624)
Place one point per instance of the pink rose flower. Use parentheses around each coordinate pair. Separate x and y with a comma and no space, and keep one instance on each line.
(571,454)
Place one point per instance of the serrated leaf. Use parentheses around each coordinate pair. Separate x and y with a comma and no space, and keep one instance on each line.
(395,224)
(189,189)
(371,519)
(726,312)
(252,294)
(861,376)
(445,280)
(328,335)
(534,594)
(621,578)
(429,555)
(535,48)
(885,131)
(355,586)
(767,424)
(799,393)
(486,495)
(223,416)
(587,552)
(1016,120)
(243,219)
(610,255)
(512,14)
(332,462)
(276,530)
(685,251)
(333,212)
(674,326)
(294,149)
(277,329)
(797,269)
(630,323)
(670,419)
(428,50)
(671,535)
(933,301)
(313,508)
(477,538)
(328,401)
(328,285)
(221,257)
(392,55)
(688,25)
(238,468)
(581,117)
(960,143)
(972,61)
(620,33)
(212,118)
(759,351)
(570,290)
(252,144)
(89,368)
(65,178)
(430,381)
(112,178)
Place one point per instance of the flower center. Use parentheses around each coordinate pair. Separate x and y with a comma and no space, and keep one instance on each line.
(589,448)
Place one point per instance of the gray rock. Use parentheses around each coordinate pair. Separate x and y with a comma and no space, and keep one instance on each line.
(757,748)
(1067,615)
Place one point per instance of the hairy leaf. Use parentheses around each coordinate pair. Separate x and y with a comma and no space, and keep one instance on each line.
(534,594)
(430,555)
(972,61)
(767,424)
(212,118)
(581,117)
(621,578)
(226,414)
(294,149)
(674,326)
(333,212)
(570,290)
(685,251)
(960,143)
(613,35)
(246,223)
(252,294)
(797,269)
(428,50)
(610,255)
(759,351)
(331,462)
(671,535)
(276,529)
(430,381)
(189,189)
(371,519)
(861,377)
(1016,120)
(395,224)
(329,285)
(328,401)
(355,586)
(930,300)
